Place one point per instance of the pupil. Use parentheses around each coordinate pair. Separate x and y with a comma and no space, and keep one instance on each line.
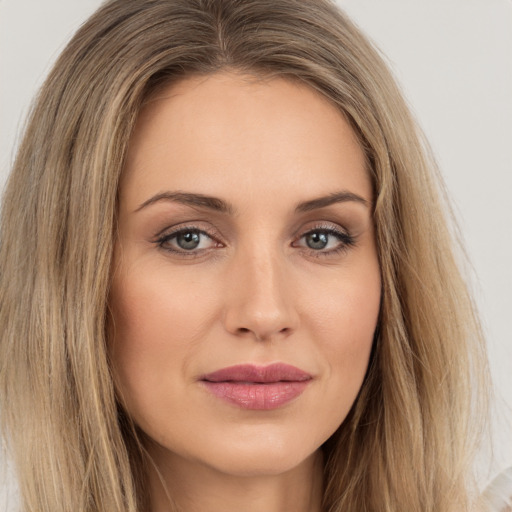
(188,240)
(317,240)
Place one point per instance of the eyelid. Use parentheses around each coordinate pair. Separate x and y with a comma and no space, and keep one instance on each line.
(171,232)
(346,239)
(321,226)
(192,225)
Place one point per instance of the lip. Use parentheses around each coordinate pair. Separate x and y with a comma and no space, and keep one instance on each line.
(257,387)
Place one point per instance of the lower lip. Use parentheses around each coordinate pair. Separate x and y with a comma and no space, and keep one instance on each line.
(260,397)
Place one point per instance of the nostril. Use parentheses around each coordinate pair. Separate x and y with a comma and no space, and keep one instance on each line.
(262,336)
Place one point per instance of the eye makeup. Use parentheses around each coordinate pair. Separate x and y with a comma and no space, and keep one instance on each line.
(193,240)
(325,240)
(189,240)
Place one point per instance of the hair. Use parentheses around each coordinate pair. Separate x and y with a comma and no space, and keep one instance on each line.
(408,440)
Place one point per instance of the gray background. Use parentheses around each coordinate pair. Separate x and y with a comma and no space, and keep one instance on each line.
(454,61)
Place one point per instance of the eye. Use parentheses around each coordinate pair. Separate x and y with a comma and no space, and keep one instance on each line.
(317,240)
(324,241)
(187,240)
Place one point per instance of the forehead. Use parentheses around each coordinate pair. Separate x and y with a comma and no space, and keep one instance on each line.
(205,132)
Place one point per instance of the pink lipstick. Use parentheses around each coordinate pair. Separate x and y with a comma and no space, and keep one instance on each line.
(257,387)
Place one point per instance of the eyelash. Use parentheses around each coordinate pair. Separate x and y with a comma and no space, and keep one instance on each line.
(165,238)
(345,241)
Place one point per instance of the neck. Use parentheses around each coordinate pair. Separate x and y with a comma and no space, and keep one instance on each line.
(180,485)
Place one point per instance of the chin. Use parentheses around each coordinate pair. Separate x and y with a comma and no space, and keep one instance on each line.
(262,454)
(262,464)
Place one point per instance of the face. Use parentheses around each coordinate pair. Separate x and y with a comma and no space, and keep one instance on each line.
(246,288)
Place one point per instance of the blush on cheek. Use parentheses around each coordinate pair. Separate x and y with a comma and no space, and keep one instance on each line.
(348,330)
(154,329)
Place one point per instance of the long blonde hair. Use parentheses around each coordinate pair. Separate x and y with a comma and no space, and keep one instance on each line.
(409,438)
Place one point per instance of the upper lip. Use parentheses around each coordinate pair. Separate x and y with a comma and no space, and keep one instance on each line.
(276,372)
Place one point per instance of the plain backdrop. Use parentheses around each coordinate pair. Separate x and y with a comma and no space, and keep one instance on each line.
(454,61)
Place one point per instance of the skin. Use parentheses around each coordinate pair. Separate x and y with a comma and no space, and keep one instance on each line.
(253,291)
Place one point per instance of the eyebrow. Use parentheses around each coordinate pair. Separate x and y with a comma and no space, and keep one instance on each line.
(219,205)
(336,197)
(189,199)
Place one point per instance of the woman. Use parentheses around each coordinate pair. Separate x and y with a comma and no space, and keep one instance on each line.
(227,279)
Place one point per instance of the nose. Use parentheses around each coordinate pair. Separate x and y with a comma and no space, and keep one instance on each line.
(259,299)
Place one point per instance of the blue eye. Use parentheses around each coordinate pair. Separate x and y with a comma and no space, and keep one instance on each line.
(326,241)
(186,240)
(192,241)
(317,240)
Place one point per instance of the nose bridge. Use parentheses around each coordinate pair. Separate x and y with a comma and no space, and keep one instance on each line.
(259,300)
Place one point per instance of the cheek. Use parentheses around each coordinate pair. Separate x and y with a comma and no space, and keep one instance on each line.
(157,329)
(343,321)
(167,321)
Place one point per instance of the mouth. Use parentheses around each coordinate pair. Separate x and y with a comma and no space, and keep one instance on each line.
(257,387)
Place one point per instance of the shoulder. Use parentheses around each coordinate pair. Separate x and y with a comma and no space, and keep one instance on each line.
(498,494)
